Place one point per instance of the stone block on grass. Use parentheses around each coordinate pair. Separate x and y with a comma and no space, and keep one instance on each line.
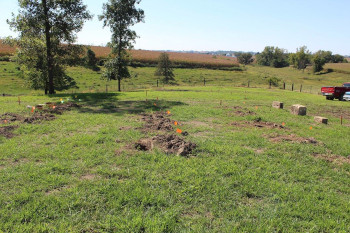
(298,109)
(322,120)
(277,104)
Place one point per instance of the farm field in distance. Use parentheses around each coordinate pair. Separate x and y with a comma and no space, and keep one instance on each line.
(254,169)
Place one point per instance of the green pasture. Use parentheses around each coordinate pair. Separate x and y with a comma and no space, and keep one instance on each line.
(80,172)
(90,81)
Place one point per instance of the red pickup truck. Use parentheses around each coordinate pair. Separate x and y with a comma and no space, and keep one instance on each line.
(332,93)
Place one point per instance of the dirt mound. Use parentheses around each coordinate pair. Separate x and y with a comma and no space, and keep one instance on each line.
(6,131)
(157,121)
(38,117)
(292,138)
(174,144)
(11,117)
(171,144)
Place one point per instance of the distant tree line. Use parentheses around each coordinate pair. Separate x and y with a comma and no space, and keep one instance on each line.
(278,58)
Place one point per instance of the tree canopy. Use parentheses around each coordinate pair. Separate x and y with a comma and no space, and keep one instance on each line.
(273,56)
(244,58)
(164,68)
(301,58)
(120,16)
(47,30)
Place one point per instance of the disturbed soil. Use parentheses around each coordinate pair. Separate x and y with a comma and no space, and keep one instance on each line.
(38,117)
(157,121)
(258,124)
(6,131)
(337,159)
(59,109)
(291,138)
(169,143)
(239,111)
(11,117)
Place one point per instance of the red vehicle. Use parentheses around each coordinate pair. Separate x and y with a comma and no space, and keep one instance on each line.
(332,93)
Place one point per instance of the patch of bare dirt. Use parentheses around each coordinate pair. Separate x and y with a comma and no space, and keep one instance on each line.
(336,159)
(38,117)
(171,144)
(10,117)
(242,112)
(56,190)
(126,128)
(6,131)
(88,177)
(292,138)
(258,124)
(157,121)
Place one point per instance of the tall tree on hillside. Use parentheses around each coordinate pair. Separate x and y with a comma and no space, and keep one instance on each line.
(120,15)
(165,68)
(301,58)
(47,30)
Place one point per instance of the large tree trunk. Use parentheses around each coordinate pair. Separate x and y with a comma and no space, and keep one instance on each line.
(48,49)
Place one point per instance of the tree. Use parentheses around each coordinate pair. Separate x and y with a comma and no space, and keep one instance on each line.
(244,58)
(273,56)
(301,58)
(91,60)
(51,27)
(318,62)
(120,15)
(165,68)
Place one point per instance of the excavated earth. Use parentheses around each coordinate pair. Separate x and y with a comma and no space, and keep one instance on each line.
(157,121)
(169,143)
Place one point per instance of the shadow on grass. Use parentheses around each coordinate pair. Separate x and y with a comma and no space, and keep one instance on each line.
(109,103)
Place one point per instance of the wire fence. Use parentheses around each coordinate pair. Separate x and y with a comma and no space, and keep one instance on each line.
(131,86)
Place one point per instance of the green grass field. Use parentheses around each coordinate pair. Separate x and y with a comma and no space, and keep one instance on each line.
(81,173)
(143,78)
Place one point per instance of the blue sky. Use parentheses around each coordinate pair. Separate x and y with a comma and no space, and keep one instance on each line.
(246,25)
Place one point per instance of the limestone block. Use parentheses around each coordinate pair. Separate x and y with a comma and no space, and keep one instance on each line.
(298,109)
(322,120)
(277,104)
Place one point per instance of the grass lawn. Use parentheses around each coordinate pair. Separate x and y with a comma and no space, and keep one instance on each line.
(80,172)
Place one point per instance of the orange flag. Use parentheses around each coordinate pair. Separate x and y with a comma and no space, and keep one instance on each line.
(179,131)
(310,127)
(168,112)
(175,123)
(33,108)
(283,124)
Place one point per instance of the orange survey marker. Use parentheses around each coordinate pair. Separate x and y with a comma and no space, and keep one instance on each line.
(168,112)
(53,107)
(179,131)
(33,109)
(5,121)
(283,124)
(175,123)
(310,127)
